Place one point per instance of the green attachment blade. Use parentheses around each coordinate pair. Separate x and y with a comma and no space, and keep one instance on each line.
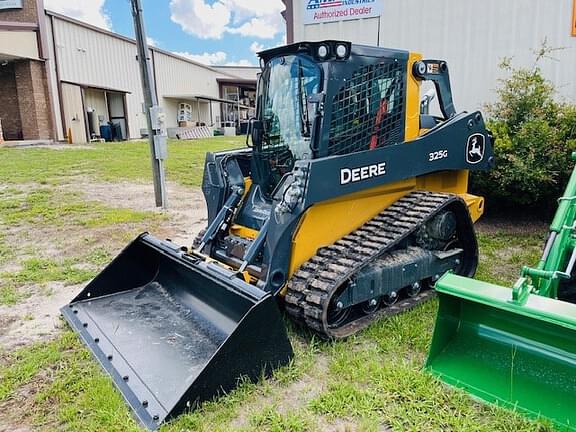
(518,355)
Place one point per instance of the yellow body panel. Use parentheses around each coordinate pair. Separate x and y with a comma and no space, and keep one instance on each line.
(242,231)
(412,128)
(324,223)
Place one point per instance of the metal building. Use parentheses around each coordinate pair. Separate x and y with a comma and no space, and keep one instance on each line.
(63,79)
(472,36)
(97,74)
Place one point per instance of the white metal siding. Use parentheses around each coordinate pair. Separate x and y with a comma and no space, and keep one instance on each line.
(176,77)
(53,82)
(472,36)
(96,59)
(243,72)
(170,107)
(93,58)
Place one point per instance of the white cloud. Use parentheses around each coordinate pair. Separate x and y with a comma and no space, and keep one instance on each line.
(256,47)
(248,8)
(242,62)
(89,11)
(207,21)
(151,41)
(254,18)
(256,27)
(215,58)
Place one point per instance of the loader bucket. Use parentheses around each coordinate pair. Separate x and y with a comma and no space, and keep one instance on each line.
(173,330)
(520,356)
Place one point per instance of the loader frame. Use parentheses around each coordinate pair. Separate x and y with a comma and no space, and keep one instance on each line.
(319,181)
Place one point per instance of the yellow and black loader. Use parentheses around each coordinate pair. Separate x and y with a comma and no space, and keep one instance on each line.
(349,202)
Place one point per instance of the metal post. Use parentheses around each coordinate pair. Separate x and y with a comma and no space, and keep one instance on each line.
(211,117)
(154,116)
(238,119)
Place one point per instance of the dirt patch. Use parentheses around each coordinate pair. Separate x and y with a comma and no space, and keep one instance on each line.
(36,318)
(6,321)
(8,424)
(19,408)
(186,207)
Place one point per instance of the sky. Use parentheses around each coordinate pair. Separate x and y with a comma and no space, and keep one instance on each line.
(215,32)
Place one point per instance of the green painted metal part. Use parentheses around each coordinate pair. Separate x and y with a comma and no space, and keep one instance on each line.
(519,356)
(515,347)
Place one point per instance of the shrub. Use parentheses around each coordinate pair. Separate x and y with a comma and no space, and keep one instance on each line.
(534,137)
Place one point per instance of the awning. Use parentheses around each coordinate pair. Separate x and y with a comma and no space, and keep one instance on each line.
(199,98)
(237,81)
(18,45)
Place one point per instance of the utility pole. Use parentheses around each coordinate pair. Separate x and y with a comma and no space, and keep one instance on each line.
(154,114)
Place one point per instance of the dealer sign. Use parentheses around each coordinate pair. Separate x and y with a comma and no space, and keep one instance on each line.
(319,11)
(10,4)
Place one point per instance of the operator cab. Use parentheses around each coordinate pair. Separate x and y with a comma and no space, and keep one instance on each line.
(328,98)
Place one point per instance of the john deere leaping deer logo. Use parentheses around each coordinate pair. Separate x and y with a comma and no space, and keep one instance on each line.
(475,148)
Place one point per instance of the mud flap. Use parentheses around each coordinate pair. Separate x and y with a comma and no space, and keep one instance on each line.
(173,331)
(518,356)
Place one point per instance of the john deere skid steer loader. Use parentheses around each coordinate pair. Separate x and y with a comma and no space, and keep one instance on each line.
(516,347)
(346,206)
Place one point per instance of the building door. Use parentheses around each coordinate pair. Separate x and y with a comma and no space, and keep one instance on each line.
(97,110)
(74,113)
(116,104)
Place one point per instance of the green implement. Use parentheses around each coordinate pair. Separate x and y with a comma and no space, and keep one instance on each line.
(516,347)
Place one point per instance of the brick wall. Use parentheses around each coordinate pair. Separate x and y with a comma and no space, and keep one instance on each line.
(29,13)
(9,110)
(31,86)
(24,100)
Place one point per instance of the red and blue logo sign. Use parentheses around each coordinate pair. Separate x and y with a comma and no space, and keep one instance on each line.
(336,10)
(321,4)
(317,4)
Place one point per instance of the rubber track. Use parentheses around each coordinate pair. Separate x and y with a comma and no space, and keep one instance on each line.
(312,286)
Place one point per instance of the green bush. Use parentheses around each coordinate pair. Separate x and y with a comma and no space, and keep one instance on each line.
(534,137)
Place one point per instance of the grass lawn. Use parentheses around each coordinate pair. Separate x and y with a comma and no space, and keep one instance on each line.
(370,382)
(109,161)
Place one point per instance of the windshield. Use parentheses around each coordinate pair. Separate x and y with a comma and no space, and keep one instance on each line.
(286,115)
(286,83)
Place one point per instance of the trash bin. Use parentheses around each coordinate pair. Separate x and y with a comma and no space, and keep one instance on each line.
(106,132)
